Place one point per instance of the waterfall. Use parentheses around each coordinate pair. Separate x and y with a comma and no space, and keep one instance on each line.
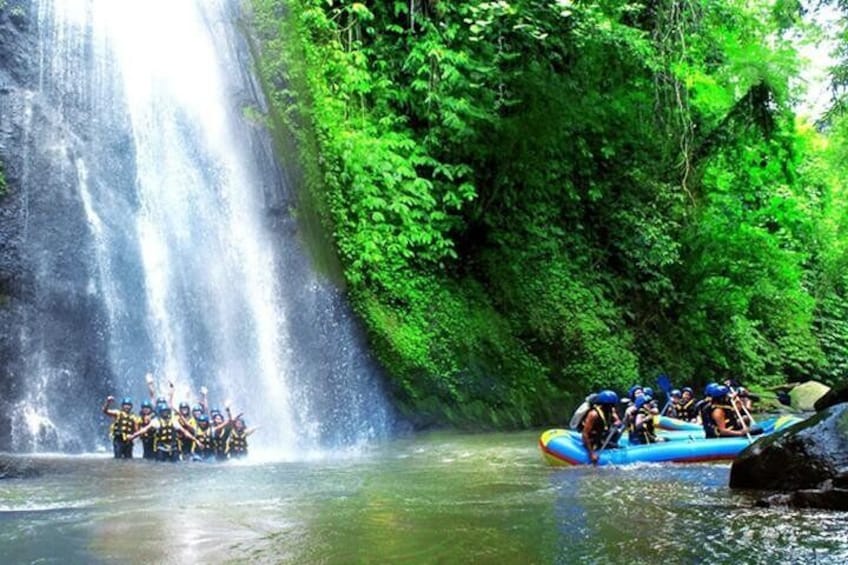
(159,218)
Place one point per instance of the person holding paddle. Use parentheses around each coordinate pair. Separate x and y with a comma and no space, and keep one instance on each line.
(642,430)
(724,418)
(600,424)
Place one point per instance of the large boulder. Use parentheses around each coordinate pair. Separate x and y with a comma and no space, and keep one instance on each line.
(833,397)
(804,396)
(807,455)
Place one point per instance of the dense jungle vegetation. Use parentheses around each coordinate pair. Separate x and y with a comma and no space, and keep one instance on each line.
(530,199)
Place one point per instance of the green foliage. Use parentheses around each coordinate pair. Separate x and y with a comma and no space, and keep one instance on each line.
(530,199)
(3,186)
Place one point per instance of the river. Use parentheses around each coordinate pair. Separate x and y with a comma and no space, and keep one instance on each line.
(429,498)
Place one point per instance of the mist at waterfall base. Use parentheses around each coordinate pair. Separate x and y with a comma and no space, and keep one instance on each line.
(158,233)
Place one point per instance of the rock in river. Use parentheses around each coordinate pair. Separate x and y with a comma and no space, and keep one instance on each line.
(808,461)
(804,396)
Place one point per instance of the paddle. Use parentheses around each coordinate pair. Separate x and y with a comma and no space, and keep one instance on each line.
(614,428)
(665,385)
(741,421)
(744,408)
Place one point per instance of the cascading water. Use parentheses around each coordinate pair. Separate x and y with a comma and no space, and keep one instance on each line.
(169,244)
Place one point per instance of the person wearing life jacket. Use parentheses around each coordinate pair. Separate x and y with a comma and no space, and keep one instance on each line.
(744,401)
(166,426)
(237,440)
(705,410)
(672,407)
(197,411)
(687,409)
(124,425)
(601,424)
(187,422)
(208,438)
(145,416)
(630,412)
(221,431)
(203,448)
(642,429)
(724,420)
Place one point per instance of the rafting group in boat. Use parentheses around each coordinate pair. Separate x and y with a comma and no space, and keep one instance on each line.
(724,411)
(190,433)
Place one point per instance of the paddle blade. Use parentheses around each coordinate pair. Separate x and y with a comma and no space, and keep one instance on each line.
(664,383)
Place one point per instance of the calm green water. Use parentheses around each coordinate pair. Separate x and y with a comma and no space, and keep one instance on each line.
(427,499)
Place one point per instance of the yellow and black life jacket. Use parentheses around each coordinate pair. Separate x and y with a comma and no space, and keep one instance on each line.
(644,432)
(150,433)
(166,435)
(237,443)
(219,440)
(124,426)
(204,443)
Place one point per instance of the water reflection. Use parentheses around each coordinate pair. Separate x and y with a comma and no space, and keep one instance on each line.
(437,498)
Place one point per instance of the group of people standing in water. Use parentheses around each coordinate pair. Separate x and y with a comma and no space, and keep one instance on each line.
(724,411)
(194,433)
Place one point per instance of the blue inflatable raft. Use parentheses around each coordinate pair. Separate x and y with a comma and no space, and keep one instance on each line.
(673,424)
(565,447)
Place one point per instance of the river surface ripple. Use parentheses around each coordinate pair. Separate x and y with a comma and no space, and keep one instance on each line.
(432,498)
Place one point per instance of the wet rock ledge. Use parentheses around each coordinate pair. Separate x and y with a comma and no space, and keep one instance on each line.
(807,463)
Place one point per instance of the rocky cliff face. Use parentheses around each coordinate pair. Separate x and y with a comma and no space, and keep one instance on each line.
(17,78)
(51,322)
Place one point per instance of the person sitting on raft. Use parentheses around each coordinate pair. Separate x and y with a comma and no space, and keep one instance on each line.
(687,409)
(642,430)
(744,402)
(721,418)
(123,427)
(601,423)
(630,412)
(672,407)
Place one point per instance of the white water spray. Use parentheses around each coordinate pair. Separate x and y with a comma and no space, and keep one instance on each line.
(197,280)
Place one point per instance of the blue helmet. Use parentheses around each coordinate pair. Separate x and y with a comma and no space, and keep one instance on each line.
(642,400)
(708,390)
(648,391)
(146,404)
(197,408)
(183,404)
(674,392)
(203,419)
(607,397)
(126,401)
(162,407)
(720,391)
(632,392)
